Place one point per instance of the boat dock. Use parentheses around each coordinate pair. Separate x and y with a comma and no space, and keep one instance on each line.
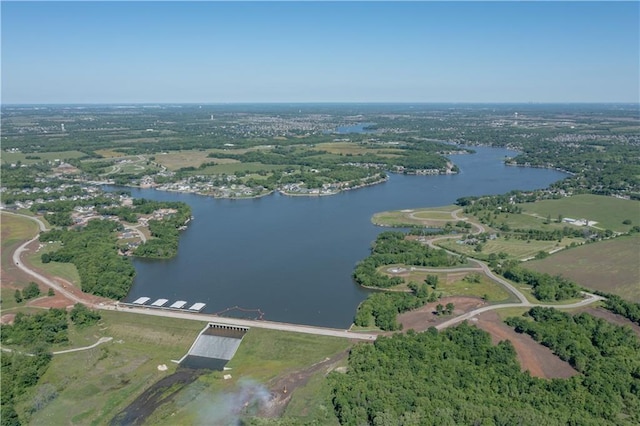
(179,305)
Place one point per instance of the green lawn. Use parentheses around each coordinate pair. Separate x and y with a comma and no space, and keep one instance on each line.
(609,212)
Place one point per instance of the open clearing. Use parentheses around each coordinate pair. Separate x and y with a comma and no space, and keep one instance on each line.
(609,212)
(437,216)
(612,266)
(453,284)
(110,376)
(534,357)
(14,231)
(423,318)
(175,160)
(514,248)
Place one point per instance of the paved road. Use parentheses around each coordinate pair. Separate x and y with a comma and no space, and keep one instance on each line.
(18,262)
(272,325)
(590,298)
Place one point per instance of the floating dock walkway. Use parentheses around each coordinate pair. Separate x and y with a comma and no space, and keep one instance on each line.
(180,305)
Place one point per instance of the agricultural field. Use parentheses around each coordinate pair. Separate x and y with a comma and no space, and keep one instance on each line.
(353,148)
(612,266)
(233,167)
(609,212)
(37,157)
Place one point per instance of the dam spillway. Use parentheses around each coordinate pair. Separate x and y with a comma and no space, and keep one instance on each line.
(214,347)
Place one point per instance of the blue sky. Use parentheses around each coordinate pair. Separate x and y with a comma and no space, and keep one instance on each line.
(216,52)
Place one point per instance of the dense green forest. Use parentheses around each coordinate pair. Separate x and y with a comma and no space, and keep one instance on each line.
(383,308)
(546,288)
(458,377)
(93,251)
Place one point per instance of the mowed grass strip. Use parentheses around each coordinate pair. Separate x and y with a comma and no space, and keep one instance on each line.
(109,377)
(612,266)
(609,212)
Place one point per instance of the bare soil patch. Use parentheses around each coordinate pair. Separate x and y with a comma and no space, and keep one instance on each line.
(282,388)
(423,318)
(611,317)
(7,319)
(539,360)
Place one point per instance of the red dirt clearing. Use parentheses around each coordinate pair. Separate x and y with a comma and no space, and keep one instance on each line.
(537,359)
(423,318)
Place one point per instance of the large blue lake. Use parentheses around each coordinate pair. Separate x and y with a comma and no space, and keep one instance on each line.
(292,257)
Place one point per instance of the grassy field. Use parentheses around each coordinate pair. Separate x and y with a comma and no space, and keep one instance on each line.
(612,266)
(236,167)
(262,356)
(67,271)
(609,212)
(175,160)
(515,248)
(14,157)
(423,217)
(453,284)
(107,378)
(14,230)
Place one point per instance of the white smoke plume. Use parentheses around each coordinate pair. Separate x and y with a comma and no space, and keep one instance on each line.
(227,408)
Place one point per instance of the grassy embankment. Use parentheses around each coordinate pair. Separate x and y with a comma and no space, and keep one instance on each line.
(14,231)
(263,356)
(108,378)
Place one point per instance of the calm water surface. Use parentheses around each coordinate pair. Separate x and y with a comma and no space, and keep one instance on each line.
(292,257)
